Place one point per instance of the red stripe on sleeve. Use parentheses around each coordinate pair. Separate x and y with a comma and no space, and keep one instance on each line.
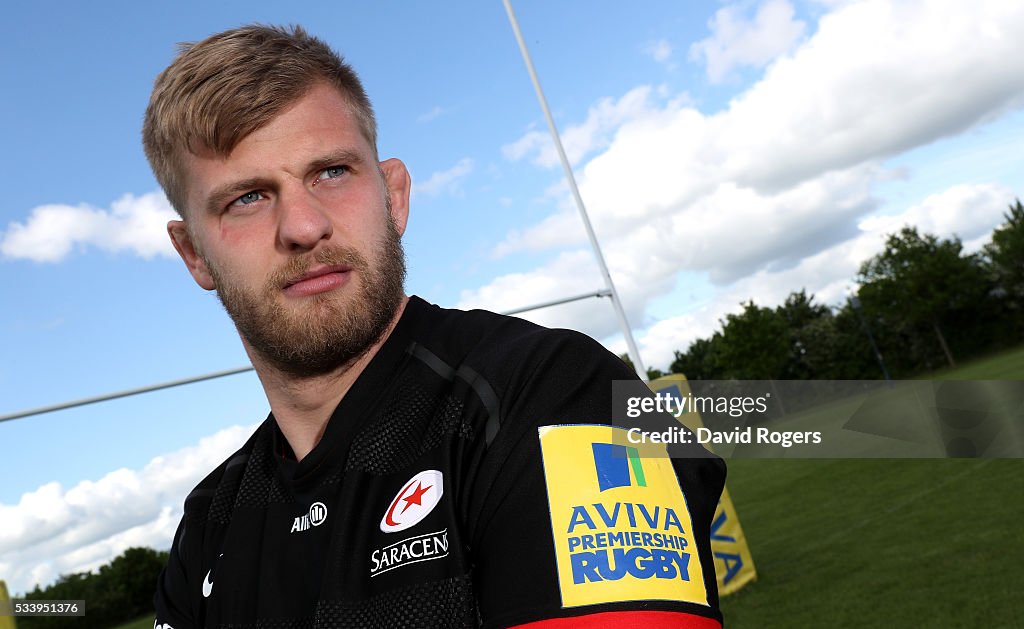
(627,620)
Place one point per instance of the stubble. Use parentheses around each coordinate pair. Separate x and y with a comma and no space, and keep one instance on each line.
(327,331)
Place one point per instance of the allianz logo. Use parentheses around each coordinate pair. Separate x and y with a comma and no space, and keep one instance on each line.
(317,515)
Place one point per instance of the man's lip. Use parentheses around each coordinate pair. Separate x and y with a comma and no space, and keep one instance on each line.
(318,272)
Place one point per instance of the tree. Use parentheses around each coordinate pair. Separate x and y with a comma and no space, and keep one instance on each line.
(810,332)
(119,591)
(923,300)
(798,340)
(1005,261)
(699,361)
(917,281)
(851,352)
(129,580)
(754,344)
(652,373)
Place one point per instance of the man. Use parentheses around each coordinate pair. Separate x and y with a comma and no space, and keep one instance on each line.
(420,467)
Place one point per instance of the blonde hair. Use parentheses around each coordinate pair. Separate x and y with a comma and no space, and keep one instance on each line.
(218,91)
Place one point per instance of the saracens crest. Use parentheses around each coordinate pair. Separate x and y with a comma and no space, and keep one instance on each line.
(415,501)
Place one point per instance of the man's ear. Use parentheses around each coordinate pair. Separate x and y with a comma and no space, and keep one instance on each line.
(399,184)
(182,241)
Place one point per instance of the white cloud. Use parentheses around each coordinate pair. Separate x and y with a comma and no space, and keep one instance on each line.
(432,114)
(132,224)
(728,233)
(968,212)
(53,531)
(571,273)
(582,139)
(732,231)
(823,109)
(557,230)
(736,41)
(875,80)
(660,50)
(657,345)
(445,180)
(532,142)
(778,190)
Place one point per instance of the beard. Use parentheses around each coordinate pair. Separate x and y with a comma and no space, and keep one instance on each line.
(323,333)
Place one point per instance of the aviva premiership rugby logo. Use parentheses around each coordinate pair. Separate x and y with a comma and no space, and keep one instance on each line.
(612,555)
(619,519)
(614,463)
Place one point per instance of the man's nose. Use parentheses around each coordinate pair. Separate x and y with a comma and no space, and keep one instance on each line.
(302,221)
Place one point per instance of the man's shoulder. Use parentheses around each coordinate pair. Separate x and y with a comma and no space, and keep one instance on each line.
(225,475)
(484,336)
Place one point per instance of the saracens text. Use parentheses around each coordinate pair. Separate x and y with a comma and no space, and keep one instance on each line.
(409,551)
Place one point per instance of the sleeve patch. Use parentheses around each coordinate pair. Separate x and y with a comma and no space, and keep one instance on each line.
(621,527)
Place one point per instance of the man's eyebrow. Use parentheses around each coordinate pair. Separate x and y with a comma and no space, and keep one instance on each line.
(341,157)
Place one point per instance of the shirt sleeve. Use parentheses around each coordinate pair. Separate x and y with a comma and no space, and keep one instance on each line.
(573,522)
(172,600)
(627,620)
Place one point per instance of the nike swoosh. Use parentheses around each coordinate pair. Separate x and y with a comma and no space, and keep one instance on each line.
(207,585)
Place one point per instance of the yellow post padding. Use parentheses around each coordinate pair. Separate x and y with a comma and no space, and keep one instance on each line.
(6,622)
(734,565)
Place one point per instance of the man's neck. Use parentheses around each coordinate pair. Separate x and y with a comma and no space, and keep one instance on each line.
(303,406)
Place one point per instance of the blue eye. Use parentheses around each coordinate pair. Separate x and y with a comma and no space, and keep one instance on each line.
(248,198)
(333,172)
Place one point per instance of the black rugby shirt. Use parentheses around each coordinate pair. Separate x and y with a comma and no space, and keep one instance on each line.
(456,485)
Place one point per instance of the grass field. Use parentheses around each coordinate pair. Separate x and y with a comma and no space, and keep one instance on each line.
(1008,365)
(146,622)
(884,542)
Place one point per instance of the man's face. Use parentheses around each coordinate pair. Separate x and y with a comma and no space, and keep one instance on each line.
(299,232)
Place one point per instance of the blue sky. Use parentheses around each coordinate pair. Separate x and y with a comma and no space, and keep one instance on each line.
(726,151)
